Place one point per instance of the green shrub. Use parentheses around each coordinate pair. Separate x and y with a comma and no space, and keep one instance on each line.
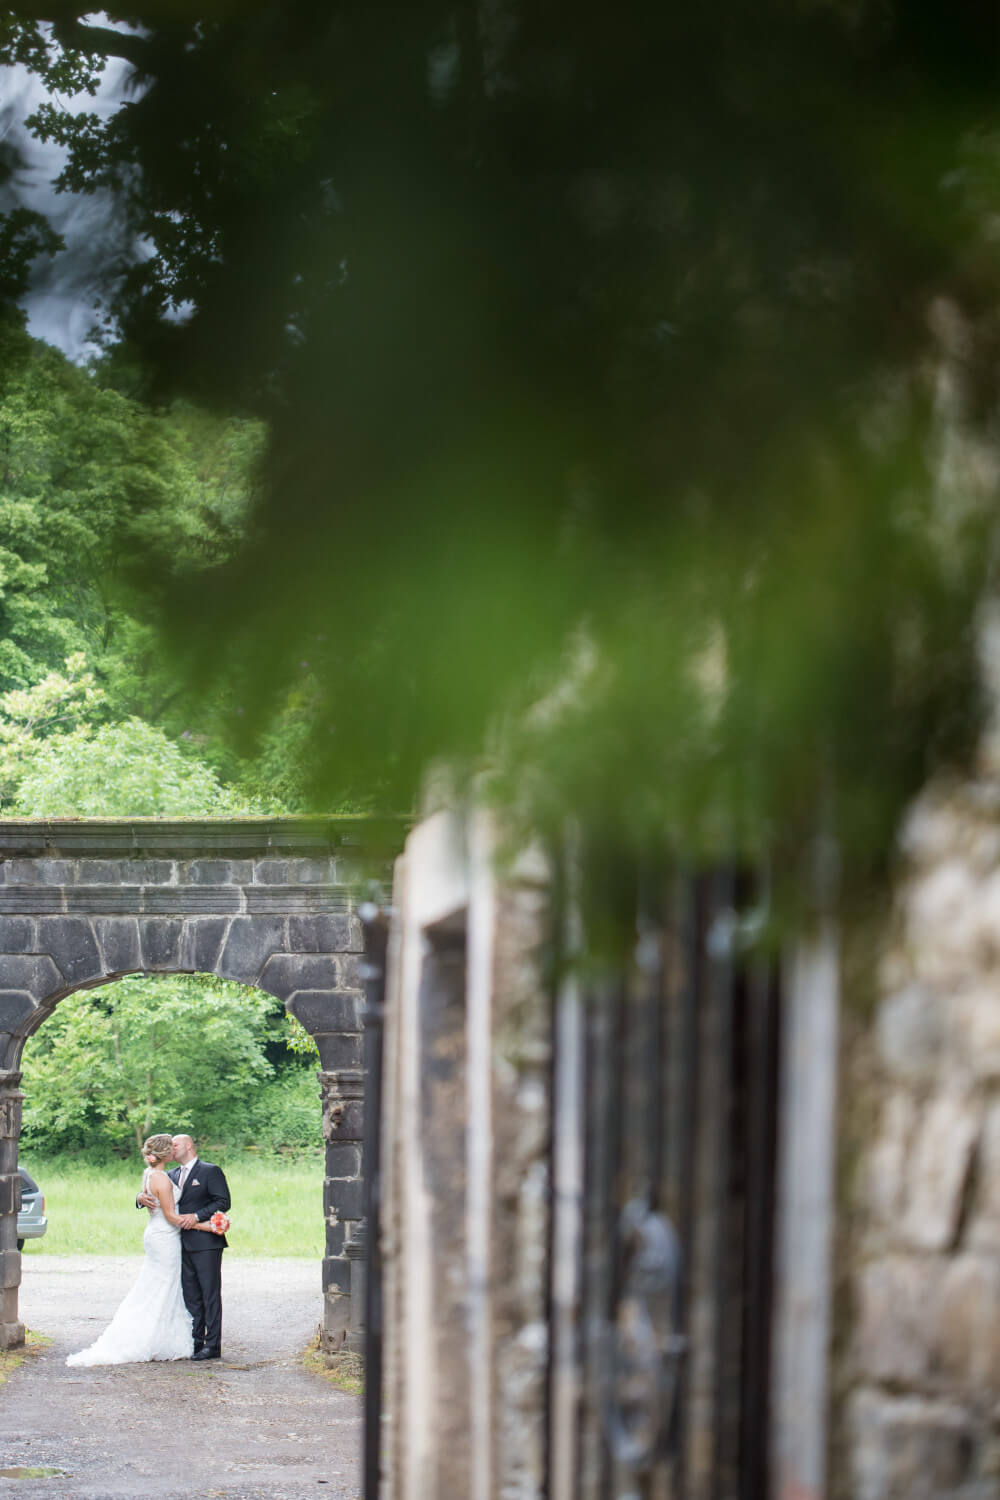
(286,1115)
(169,1052)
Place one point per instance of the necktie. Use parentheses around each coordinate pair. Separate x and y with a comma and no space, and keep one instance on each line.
(182,1179)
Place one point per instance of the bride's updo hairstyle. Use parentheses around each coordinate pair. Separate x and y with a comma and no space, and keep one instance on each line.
(160,1146)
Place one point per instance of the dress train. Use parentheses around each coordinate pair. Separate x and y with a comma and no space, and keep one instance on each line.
(152,1322)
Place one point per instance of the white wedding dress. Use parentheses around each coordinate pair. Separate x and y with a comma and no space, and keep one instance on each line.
(152,1322)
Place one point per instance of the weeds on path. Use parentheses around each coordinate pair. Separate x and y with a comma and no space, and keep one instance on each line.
(346,1372)
(10,1359)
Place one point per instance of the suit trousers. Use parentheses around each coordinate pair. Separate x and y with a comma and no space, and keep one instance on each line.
(201,1283)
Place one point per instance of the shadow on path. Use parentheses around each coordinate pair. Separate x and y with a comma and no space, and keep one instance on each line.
(251,1426)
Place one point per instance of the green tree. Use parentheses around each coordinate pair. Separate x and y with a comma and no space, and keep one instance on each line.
(56,762)
(149,1053)
(120,770)
(60,702)
(89,480)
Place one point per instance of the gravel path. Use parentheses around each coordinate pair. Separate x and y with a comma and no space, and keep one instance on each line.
(252,1426)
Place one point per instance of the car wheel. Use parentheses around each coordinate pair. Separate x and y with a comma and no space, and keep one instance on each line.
(20,1244)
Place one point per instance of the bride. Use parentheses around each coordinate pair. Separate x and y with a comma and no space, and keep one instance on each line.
(152,1322)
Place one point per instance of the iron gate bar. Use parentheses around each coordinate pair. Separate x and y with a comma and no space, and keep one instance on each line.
(593,1455)
(672,912)
(620,1110)
(763,998)
(651,956)
(726,1328)
(678,1129)
(692,927)
(651,952)
(376,931)
(568,1187)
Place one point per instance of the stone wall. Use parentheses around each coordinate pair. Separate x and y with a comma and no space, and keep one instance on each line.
(466,1210)
(921,1374)
(264,902)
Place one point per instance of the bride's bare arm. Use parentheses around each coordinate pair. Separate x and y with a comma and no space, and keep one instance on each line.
(163,1190)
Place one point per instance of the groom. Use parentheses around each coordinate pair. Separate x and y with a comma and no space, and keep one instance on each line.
(204,1191)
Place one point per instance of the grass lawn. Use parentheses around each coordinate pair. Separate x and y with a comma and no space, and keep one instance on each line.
(277,1206)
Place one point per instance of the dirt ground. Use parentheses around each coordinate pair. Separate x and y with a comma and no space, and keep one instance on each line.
(254,1425)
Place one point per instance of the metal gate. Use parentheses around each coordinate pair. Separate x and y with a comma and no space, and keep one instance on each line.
(663,1150)
(664,1145)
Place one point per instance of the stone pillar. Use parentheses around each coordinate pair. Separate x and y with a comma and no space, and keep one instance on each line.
(921,1375)
(343,1119)
(466,1228)
(356,1251)
(11,1099)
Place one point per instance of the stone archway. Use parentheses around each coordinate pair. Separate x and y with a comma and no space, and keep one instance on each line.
(265,902)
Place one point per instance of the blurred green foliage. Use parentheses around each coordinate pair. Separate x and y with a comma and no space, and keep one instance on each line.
(88,478)
(627,377)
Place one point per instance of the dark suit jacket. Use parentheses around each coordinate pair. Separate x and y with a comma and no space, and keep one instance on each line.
(206,1192)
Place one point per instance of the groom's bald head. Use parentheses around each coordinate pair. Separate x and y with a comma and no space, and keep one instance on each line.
(183,1148)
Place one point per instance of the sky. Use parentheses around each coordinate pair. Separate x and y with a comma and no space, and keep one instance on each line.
(60,306)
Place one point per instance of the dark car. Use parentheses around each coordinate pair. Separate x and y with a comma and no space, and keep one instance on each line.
(31,1220)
